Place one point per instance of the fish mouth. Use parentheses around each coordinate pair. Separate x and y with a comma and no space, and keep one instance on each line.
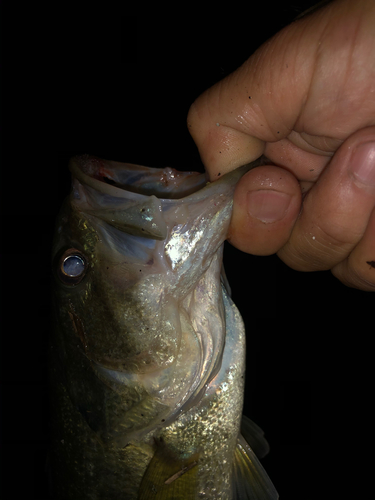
(136,199)
(116,179)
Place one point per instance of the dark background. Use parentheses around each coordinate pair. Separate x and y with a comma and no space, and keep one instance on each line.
(119,85)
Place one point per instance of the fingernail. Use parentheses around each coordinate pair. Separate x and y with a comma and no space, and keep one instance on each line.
(267,205)
(363,163)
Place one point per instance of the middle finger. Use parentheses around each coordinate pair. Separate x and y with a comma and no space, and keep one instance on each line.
(337,209)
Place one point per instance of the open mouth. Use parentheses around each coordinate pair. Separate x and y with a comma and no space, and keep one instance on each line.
(112,178)
(145,201)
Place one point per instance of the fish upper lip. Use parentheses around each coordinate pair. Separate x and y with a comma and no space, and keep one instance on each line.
(100,175)
(93,172)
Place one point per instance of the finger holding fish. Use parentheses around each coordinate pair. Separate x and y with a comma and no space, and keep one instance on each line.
(304,99)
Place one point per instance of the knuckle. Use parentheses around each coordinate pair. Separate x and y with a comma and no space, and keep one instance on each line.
(356,275)
(314,251)
(339,235)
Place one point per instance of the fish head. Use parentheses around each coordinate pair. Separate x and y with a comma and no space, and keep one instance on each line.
(131,243)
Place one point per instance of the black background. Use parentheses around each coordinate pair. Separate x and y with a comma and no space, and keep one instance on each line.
(119,85)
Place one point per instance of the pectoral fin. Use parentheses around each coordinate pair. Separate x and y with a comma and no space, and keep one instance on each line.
(250,480)
(254,436)
(169,478)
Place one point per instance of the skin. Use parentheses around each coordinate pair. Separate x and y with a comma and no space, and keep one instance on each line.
(306,100)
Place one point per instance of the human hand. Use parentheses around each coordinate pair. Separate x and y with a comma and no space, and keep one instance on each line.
(306,100)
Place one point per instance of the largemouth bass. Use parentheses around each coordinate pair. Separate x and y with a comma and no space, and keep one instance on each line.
(147,357)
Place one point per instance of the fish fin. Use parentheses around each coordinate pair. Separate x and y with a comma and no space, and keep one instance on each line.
(250,480)
(169,478)
(254,436)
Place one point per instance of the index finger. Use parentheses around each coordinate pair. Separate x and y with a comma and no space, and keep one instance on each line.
(259,102)
(283,94)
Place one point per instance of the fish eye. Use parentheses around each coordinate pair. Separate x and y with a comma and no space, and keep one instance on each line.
(72,267)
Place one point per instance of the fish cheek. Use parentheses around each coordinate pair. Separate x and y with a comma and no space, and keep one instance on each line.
(122,323)
(131,334)
(156,337)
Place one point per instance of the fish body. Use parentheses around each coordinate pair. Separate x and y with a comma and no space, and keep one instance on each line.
(147,354)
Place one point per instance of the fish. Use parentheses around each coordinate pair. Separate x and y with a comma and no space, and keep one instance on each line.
(147,353)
